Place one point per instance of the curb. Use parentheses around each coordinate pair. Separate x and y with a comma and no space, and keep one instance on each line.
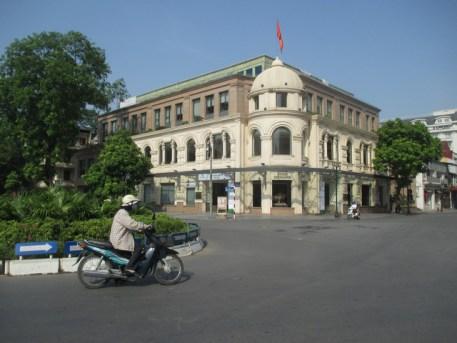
(42,266)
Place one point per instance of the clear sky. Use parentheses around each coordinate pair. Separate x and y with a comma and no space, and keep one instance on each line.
(400,56)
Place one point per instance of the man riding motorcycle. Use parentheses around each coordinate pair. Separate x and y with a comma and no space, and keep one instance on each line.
(121,235)
(354,211)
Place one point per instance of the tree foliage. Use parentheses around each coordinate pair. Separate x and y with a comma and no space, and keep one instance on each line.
(49,83)
(118,92)
(403,151)
(119,167)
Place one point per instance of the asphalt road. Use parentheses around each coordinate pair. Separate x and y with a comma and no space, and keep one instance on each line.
(386,278)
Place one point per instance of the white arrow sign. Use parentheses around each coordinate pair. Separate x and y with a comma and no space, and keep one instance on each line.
(42,247)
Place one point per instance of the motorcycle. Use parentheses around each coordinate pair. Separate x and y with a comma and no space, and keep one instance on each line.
(99,262)
(353,213)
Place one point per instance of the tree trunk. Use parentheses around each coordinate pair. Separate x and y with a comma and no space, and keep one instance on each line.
(397,199)
(407,201)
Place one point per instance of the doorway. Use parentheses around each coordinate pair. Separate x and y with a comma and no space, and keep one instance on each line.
(365,195)
(282,194)
(256,194)
(327,196)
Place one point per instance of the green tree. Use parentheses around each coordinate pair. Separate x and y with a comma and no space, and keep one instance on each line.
(119,168)
(403,151)
(118,92)
(49,83)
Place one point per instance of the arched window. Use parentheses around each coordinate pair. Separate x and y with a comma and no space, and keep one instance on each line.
(147,152)
(190,150)
(349,152)
(330,148)
(217,146)
(256,143)
(304,142)
(174,153)
(228,148)
(281,141)
(365,155)
(168,153)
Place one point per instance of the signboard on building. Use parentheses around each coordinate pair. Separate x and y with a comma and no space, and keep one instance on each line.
(282,175)
(216,177)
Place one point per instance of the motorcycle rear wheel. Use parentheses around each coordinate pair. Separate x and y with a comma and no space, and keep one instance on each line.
(169,270)
(91,262)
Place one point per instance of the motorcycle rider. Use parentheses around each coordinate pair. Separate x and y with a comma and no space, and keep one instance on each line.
(354,210)
(121,235)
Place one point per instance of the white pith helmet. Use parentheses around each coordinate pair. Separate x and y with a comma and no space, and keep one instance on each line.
(129,200)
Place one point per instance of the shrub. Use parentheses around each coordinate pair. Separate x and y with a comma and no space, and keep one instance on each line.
(62,229)
(12,232)
(53,202)
(87,229)
(7,210)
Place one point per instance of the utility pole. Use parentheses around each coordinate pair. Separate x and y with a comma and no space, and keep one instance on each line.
(337,167)
(210,148)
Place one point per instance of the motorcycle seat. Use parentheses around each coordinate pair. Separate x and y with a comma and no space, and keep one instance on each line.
(101,244)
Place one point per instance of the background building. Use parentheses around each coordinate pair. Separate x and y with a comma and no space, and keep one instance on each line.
(436,189)
(82,154)
(265,136)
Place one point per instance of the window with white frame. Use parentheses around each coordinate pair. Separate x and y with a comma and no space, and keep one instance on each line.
(179,116)
(342,113)
(223,102)
(209,106)
(281,99)
(256,143)
(281,141)
(168,116)
(196,109)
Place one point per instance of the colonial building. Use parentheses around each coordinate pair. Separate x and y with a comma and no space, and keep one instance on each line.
(263,135)
(436,189)
(442,125)
(82,154)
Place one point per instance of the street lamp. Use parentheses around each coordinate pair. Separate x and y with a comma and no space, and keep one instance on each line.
(337,168)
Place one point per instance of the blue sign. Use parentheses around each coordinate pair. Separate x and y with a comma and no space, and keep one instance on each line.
(72,248)
(35,248)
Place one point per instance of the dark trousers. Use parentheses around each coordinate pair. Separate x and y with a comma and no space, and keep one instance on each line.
(135,255)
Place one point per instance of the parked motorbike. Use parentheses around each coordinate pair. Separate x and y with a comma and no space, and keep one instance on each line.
(100,262)
(353,213)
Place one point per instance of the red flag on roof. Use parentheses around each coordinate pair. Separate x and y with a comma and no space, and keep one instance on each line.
(279,35)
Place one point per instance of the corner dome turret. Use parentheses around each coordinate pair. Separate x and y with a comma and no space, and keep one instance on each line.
(278,77)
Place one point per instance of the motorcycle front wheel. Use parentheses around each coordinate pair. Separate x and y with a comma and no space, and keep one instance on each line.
(169,270)
(92,263)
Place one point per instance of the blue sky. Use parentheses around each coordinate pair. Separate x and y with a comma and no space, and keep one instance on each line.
(400,56)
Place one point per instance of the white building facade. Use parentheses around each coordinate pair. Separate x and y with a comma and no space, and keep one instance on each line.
(265,136)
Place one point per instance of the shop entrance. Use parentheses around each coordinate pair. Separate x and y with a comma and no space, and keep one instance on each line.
(218,191)
(282,194)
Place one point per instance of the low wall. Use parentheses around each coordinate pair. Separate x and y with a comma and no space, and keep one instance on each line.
(67,265)
(180,208)
(282,211)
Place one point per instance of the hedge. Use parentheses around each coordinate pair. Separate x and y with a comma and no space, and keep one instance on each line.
(12,232)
